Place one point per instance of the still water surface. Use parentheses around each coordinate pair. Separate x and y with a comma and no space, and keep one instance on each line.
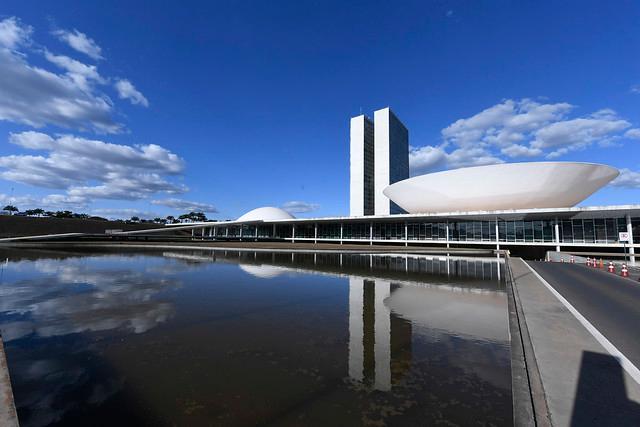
(232,338)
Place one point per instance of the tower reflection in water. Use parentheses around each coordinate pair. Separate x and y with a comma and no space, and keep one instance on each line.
(379,341)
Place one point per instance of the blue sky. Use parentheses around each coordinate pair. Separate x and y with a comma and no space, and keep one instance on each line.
(156,108)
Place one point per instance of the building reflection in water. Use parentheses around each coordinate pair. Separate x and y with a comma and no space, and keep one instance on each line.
(379,341)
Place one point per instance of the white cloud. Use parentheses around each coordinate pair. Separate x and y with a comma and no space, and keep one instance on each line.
(471,157)
(124,213)
(49,202)
(36,97)
(63,201)
(517,129)
(517,150)
(300,207)
(185,205)
(427,159)
(13,33)
(22,202)
(635,89)
(81,74)
(627,179)
(126,90)
(92,169)
(132,187)
(80,42)
(632,134)
(579,133)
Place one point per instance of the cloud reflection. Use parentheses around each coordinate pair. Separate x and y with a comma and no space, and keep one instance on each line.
(74,295)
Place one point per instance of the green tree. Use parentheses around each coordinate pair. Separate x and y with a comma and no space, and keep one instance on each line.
(10,208)
(198,216)
(64,214)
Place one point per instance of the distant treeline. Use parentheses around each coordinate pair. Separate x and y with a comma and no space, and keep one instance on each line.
(170,219)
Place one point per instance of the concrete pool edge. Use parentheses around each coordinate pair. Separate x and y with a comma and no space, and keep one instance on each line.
(529,402)
(253,246)
(8,415)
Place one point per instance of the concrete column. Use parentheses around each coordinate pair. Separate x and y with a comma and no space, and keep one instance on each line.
(341,227)
(202,234)
(315,232)
(632,251)
(406,234)
(226,231)
(497,236)
(293,233)
(447,234)
(371,233)
(556,231)
(241,227)
(274,231)
(193,233)
(210,231)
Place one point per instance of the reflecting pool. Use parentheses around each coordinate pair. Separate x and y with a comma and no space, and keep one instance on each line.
(241,338)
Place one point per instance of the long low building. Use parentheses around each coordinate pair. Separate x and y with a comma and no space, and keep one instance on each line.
(533,231)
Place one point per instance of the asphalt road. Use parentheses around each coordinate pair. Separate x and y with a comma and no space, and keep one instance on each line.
(611,303)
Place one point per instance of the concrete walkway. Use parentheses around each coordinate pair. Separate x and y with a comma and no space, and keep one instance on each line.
(8,416)
(582,383)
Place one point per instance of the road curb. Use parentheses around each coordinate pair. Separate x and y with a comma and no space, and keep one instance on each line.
(529,402)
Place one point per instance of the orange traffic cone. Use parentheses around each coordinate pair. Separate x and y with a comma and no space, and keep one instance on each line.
(611,267)
(624,272)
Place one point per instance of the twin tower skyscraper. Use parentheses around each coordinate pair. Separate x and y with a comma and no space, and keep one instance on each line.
(379,157)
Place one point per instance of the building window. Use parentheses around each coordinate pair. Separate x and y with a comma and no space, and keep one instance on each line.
(635,226)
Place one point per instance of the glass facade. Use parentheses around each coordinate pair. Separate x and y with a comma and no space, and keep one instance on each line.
(398,159)
(369,168)
(575,231)
(388,230)
(329,231)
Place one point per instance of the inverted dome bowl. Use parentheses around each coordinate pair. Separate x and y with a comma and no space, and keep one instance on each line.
(501,187)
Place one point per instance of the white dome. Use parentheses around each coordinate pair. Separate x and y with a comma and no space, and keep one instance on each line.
(266,213)
(501,187)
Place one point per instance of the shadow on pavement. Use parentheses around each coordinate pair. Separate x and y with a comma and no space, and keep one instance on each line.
(601,397)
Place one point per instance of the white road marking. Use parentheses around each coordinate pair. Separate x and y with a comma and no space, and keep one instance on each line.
(626,364)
